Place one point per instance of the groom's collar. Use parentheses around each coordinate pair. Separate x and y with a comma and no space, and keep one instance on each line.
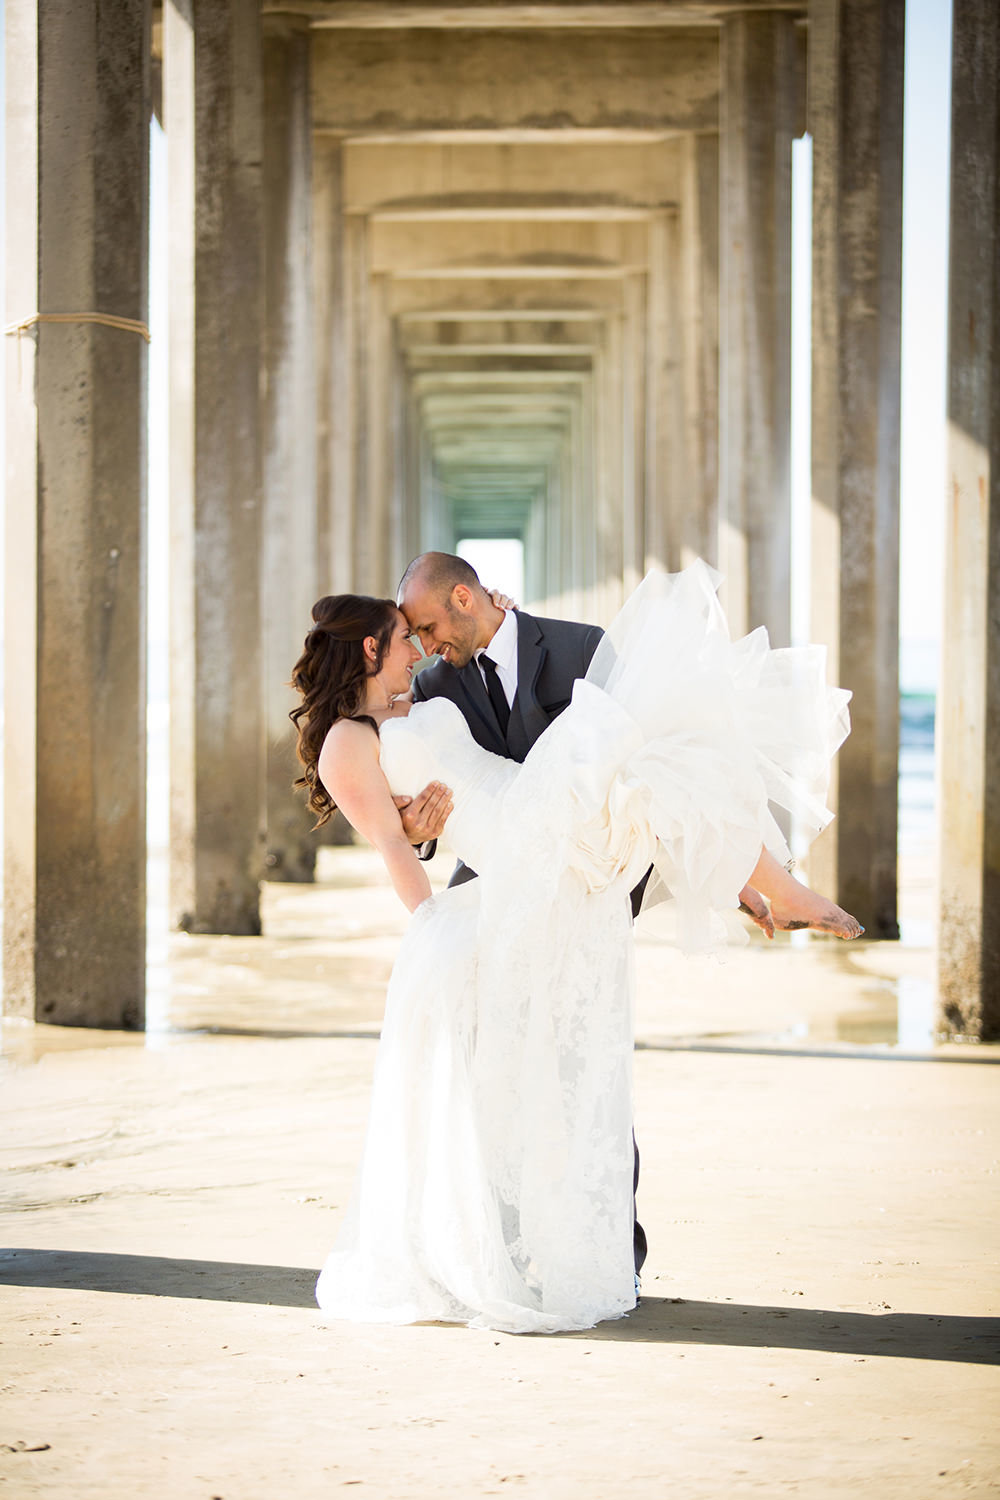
(502,649)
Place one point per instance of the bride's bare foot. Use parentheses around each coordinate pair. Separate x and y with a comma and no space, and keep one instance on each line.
(800,907)
(755,907)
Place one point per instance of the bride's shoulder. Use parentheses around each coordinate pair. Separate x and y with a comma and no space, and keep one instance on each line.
(349,739)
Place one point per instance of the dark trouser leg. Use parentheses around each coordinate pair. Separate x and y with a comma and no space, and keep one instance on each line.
(638,1233)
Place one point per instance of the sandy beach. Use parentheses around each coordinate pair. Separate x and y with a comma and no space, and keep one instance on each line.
(819,1309)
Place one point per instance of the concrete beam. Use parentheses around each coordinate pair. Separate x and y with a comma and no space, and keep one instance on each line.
(508,336)
(418,353)
(519,247)
(486,296)
(514,213)
(968,715)
(400,82)
(290,578)
(454,176)
(212,107)
(500,14)
(514,364)
(77,106)
(856,107)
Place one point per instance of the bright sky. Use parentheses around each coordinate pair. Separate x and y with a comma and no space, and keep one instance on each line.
(926,154)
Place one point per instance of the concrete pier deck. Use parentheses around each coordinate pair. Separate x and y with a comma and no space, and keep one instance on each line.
(820,1306)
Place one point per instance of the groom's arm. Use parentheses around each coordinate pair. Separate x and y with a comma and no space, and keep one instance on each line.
(591,642)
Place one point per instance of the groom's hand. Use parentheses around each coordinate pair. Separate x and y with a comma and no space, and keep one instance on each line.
(424,816)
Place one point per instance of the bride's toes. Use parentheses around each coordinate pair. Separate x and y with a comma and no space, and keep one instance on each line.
(840,923)
(827,917)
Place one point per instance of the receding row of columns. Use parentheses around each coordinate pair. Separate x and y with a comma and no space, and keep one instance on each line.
(303,447)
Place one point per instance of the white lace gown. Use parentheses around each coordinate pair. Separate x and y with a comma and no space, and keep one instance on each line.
(495,1187)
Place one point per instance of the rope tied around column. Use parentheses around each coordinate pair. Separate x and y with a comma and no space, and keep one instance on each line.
(110,320)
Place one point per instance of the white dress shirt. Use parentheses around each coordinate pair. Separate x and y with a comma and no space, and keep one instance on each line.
(503,650)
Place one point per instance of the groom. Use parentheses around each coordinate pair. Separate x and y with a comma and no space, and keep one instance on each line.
(509,673)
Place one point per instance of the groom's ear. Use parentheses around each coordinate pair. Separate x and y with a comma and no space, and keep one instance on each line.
(461,597)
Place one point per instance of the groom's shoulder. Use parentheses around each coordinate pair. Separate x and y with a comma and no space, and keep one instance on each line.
(568,632)
(574,627)
(569,643)
(438,679)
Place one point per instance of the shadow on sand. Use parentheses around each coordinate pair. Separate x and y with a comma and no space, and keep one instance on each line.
(661,1320)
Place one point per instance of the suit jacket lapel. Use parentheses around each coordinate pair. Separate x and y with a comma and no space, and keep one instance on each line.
(480,706)
(528,719)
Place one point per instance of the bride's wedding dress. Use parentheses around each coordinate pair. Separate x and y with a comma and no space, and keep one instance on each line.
(496,1183)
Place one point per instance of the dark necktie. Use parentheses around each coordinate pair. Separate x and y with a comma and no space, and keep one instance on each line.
(497,695)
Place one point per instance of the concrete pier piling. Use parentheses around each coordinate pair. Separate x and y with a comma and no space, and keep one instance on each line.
(212,111)
(969,703)
(75,794)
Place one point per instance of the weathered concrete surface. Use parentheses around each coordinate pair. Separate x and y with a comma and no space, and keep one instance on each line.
(694,518)
(291,577)
(757,122)
(856,119)
(212,93)
(77,191)
(969,704)
(819,1308)
(401,82)
(560,171)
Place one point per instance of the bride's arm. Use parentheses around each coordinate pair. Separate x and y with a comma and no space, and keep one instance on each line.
(349,769)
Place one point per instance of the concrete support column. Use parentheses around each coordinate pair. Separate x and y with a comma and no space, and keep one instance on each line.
(969,702)
(579,479)
(212,110)
(378,575)
(353,448)
(400,549)
(77,227)
(289,572)
(610,415)
(335,516)
(635,359)
(856,118)
(758,99)
(697,309)
(671,502)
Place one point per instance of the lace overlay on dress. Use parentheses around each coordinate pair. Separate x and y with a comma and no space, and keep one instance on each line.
(496,1183)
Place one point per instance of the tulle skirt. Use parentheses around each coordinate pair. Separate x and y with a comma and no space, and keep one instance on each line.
(496,1183)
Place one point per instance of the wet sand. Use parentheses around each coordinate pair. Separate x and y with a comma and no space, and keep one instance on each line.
(819,1312)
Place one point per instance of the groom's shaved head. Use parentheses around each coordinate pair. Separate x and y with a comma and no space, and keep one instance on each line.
(438,572)
(446,607)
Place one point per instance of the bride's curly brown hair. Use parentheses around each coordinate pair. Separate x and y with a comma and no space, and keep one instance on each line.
(330,675)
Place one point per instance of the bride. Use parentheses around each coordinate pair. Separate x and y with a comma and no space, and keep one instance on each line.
(496,1182)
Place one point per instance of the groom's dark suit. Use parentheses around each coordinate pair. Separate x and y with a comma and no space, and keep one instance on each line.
(551,655)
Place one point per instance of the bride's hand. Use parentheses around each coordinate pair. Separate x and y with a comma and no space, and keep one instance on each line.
(424,816)
(500,600)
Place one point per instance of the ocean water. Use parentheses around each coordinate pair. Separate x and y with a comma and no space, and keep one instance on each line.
(917,790)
